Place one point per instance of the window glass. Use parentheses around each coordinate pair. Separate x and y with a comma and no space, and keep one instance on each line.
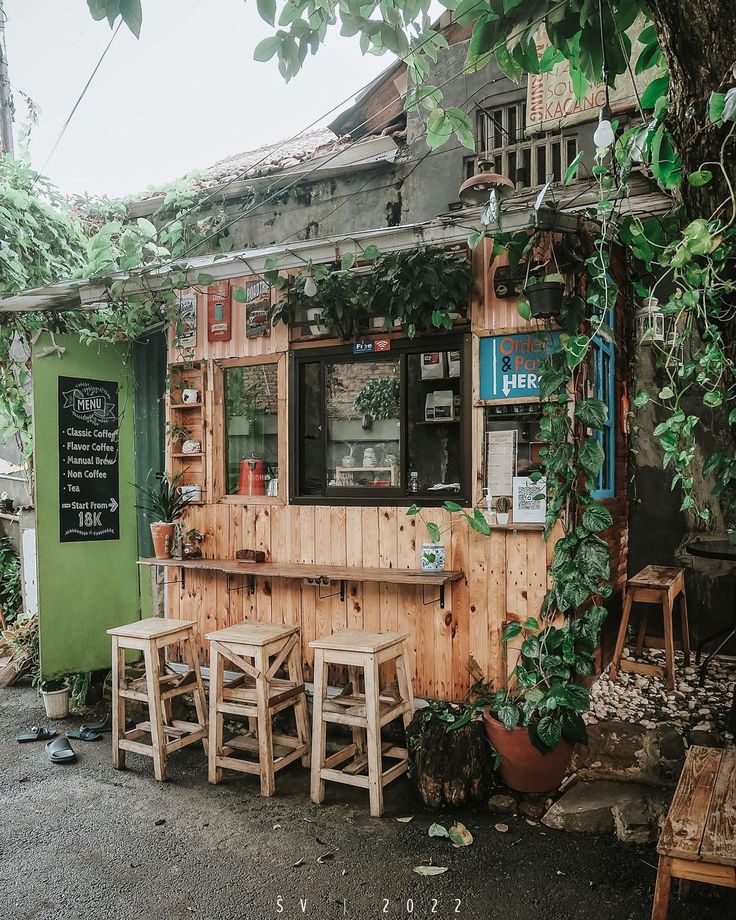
(434,416)
(251,430)
(363,414)
(603,389)
(388,426)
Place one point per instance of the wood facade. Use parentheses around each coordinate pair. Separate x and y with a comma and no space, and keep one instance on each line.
(505,575)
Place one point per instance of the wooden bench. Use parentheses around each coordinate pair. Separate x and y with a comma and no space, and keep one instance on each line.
(698,840)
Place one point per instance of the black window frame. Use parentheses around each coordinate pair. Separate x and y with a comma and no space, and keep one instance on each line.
(383,496)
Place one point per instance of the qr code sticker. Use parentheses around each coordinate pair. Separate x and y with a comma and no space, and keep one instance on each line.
(529,497)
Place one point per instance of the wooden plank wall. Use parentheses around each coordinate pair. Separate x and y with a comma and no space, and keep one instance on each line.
(505,575)
(505,578)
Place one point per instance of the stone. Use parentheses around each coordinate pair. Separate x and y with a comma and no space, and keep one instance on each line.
(533,808)
(588,808)
(638,820)
(706,738)
(502,804)
(631,752)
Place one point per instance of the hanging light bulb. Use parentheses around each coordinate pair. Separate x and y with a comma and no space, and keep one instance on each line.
(310,286)
(604,135)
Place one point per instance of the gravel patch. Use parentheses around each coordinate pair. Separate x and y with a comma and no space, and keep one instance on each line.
(639,698)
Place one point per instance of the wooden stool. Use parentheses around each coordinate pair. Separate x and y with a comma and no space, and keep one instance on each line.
(655,584)
(258,694)
(367,712)
(157,688)
(697,842)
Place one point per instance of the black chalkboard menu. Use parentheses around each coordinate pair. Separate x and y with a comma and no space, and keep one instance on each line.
(89,475)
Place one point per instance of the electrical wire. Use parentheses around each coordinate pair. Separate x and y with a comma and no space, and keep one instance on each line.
(302,177)
(220,189)
(81,96)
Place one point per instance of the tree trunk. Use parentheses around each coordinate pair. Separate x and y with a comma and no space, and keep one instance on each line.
(696,37)
(449,766)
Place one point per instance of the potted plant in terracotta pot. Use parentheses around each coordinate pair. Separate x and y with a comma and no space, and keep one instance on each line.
(534,721)
(164,504)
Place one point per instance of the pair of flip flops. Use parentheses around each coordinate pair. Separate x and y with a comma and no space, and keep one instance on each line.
(58,749)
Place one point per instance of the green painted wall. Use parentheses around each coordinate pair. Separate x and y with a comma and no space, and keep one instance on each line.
(84,588)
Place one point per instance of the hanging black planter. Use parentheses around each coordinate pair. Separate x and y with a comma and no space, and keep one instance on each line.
(545,298)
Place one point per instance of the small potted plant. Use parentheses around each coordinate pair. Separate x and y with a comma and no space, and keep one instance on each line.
(503,508)
(192,544)
(55,695)
(165,505)
(433,551)
(545,295)
(178,434)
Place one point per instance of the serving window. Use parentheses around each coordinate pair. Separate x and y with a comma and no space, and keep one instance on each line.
(384,427)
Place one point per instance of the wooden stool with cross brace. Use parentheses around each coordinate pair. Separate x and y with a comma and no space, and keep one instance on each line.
(661,585)
(156,689)
(365,713)
(256,652)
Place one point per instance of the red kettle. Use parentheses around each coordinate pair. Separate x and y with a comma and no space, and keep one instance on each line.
(252,479)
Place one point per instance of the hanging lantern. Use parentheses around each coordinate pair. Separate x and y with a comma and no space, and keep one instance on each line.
(650,322)
(477,189)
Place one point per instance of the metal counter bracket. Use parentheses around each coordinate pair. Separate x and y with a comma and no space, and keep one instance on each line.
(341,592)
(250,583)
(433,600)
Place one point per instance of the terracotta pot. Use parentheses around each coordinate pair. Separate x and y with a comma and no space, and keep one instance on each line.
(163,537)
(524,768)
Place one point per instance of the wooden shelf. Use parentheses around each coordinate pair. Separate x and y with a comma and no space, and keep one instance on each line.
(312,570)
(441,421)
(192,415)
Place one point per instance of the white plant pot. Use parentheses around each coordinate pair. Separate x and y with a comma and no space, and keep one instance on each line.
(378,322)
(56,702)
(315,327)
(502,517)
(433,557)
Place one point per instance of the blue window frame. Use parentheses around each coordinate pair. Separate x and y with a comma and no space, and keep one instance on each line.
(603,389)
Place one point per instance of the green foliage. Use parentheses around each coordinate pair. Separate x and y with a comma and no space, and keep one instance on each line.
(11,590)
(41,241)
(544,695)
(379,398)
(129,10)
(162,502)
(419,288)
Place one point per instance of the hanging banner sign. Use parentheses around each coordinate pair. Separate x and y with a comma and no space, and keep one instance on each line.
(551,102)
(509,364)
(89,480)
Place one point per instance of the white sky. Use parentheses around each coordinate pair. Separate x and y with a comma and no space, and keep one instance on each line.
(185,95)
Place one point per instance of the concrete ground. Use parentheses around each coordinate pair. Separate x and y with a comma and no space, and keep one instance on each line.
(84,841)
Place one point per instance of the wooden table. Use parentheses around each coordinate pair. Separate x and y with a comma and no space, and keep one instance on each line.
(317,572)
(698,840)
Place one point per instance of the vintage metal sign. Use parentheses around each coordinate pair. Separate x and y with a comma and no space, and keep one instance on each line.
(186,330)
(89,481)
(551,102)
(509,364)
